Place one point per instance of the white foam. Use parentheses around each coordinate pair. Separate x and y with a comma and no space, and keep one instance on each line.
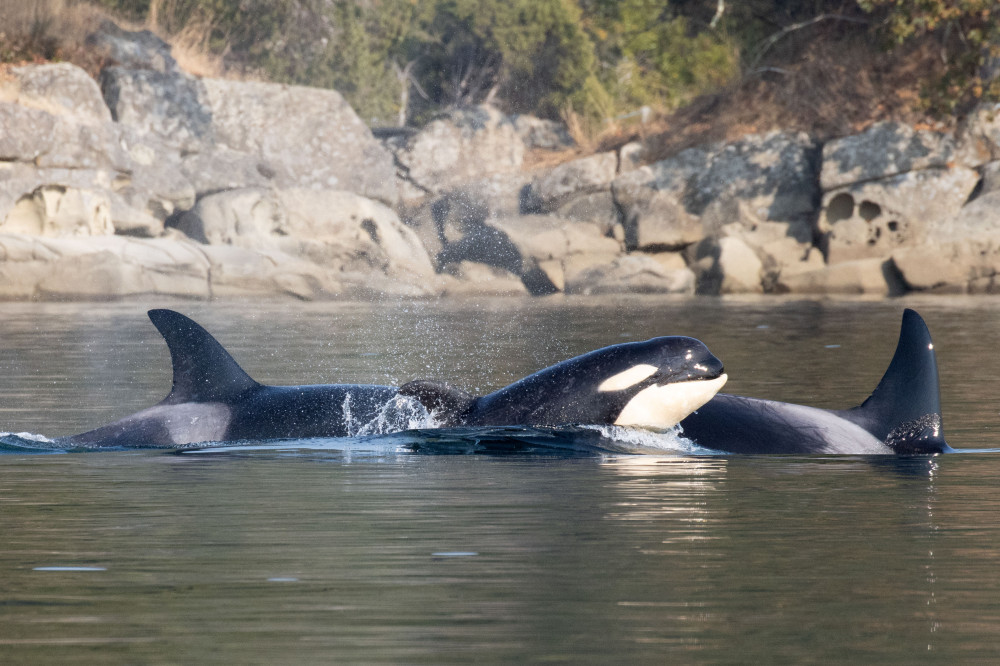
(641,440)
(28,436)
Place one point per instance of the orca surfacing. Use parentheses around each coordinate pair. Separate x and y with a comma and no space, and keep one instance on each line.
(653,383)
(902,415)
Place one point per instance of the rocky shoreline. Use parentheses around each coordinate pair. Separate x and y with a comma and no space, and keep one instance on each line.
(153,182)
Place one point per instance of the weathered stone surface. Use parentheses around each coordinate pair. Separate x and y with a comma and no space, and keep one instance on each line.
(876,277)
(990,174)
(334,229)
(634,274)
(979,137)
(169,106)
(979,220)
(554,187)
(55,211)
(140,49)
(886,149)
(308,137)
(873,219)
(655,219)
(775,174)
(59,89)
(462,146)
(631,156)
(726,265)
(475,279)
(929,267)
(50,141)
(597,208)
(540,133)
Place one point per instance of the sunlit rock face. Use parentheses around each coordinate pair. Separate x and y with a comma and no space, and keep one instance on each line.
(152,181)
(461,146)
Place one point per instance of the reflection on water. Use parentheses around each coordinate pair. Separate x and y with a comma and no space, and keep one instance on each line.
(362,552)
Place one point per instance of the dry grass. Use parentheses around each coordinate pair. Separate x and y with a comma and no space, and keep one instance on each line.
(44,30)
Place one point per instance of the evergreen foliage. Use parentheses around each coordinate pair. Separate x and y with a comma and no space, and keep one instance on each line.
(401,61)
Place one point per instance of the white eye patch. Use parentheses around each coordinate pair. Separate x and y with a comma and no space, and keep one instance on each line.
(627,378)
(666,406)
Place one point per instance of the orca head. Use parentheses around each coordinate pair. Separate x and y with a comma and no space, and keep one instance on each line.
(660,381)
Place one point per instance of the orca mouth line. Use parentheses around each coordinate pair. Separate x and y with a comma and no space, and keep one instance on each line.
(697,378)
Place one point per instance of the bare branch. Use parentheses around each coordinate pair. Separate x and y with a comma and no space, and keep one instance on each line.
(773,39)
(720,8)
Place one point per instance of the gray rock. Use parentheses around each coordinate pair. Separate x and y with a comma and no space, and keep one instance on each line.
(631,274)
(169,106)
(876,277)
(59,89)
(552,188)
(598,208)
(886,149)
(654,219)
(534,247)
(979,136)
(54,141)
(140,49)
(475,279)
(305,137)
(873,219)
(631,156)
(464,145)
(774,175)
(56,211)
(544,134)
(331,229)
(726,265)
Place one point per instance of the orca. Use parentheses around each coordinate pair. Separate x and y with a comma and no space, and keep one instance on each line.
(653,383)
(213,400)
(902,415)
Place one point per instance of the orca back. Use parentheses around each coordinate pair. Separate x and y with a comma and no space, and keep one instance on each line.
(203,370)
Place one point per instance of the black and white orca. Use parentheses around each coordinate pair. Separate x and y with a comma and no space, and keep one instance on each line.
(654,383)
(902,415)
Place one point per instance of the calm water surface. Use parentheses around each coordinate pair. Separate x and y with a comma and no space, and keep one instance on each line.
(319,553)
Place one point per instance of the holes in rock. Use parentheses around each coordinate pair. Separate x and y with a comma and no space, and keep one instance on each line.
(869,210)
(369,226)
(841,207)
(892,225)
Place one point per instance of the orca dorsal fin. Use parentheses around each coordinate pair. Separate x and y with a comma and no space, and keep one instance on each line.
(904,410)
(443,401)
(203,370)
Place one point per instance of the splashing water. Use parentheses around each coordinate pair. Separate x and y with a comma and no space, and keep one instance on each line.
(399,414)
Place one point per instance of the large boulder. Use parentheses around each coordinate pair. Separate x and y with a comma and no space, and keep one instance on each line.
(554,187)
(59,89)
(54,211)
(537,248)
(541,133)
(332,229)
(308,137)
(886,149)
(774,175)
(464,145)
(46,140)
(875,277)
(169,106)
(873,219)
(979,136)
(630,274)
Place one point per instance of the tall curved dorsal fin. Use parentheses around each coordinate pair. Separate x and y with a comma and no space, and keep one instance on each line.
(203,370)
(904,410)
